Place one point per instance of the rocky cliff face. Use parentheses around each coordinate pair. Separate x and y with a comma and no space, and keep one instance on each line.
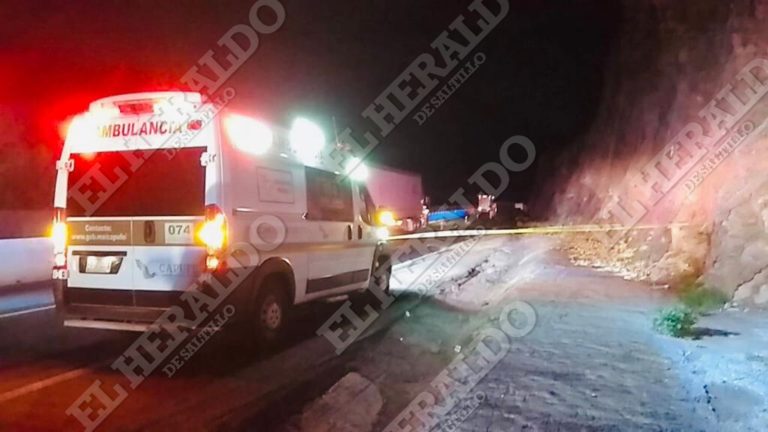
(678,140)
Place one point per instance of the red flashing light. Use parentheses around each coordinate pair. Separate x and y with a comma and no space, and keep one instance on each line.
(195,125)
(136,108)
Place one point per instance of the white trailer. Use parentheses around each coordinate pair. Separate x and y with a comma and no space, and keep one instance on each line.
(399,192)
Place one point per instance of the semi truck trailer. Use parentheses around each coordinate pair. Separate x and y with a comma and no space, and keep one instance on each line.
(399,196)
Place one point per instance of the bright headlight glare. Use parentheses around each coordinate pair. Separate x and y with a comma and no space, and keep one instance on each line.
(306,139)
(387,218)
(356,169)
(249,135)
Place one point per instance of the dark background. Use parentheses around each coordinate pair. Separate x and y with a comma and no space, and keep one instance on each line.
(542,77)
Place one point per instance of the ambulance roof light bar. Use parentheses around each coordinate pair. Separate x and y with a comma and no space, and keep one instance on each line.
(306,139)
(140,103)
(248,134)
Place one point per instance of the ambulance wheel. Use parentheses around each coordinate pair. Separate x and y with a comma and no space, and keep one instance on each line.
(382,270)
(270,313)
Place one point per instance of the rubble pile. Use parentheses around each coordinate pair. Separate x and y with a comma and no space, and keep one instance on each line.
(643,255)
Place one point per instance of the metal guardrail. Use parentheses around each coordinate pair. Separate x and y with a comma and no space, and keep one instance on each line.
(25,260)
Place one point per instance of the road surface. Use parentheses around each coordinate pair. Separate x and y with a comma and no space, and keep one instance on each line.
(44,368)
(589,362)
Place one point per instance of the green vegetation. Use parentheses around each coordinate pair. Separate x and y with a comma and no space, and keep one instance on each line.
(676,321)
(696,299)
(699,298)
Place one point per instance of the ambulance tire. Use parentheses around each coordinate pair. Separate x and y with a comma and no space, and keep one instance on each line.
(380,282)
(269,312)
(381,273)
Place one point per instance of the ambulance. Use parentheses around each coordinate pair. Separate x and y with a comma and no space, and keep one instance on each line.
(153,188)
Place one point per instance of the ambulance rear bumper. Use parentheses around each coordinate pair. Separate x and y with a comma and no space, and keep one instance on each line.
(130,310)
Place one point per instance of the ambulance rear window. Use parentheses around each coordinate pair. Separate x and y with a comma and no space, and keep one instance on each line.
(137,183)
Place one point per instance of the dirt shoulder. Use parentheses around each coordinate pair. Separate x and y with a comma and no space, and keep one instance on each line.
(590,362)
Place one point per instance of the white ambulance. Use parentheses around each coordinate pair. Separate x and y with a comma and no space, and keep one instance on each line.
(152,188)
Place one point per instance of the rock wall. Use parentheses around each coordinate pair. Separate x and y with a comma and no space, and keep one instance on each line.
(670,63)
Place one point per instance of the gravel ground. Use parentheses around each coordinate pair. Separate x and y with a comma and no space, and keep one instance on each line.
(591,362)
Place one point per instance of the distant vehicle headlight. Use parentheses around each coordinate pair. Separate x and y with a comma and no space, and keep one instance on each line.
(386,218)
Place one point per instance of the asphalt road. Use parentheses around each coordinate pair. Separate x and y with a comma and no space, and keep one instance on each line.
(44,368)
(591,361)
(25,298)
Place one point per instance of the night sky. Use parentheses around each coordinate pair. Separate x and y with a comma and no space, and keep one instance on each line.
(542,77)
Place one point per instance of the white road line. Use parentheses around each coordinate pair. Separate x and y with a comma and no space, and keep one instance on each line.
(56,379)
(26,311)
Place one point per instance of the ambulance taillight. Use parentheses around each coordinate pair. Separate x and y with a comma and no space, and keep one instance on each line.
(213,234)
(59,236)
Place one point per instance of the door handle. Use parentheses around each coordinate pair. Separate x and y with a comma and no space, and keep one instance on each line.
(149,232)
(349,232)
(359,232)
